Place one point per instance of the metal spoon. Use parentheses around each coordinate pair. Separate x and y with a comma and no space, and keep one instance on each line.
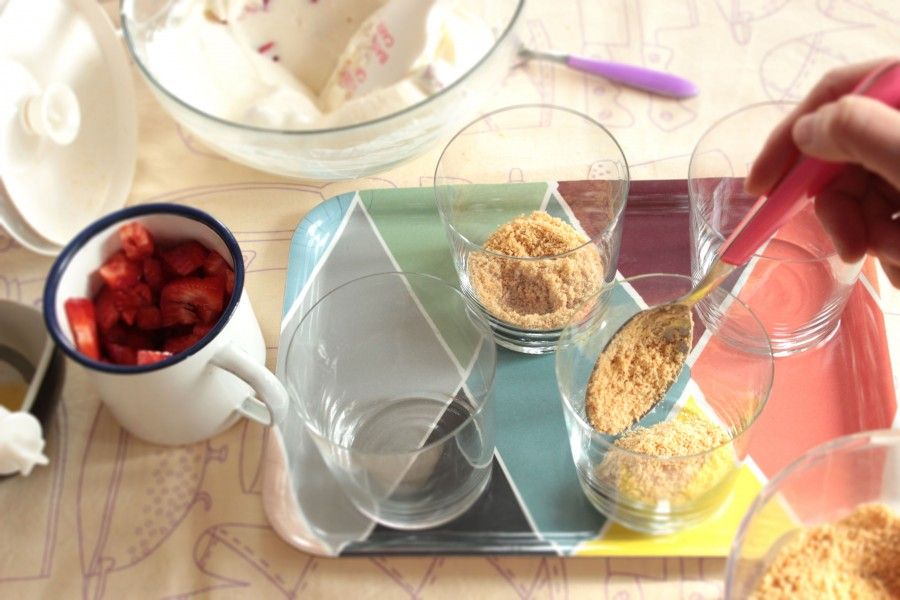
(794,191)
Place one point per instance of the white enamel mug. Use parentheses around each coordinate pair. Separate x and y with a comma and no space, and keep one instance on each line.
(196,393)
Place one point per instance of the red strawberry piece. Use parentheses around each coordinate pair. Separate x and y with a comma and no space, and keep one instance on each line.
(180,343)
(148,318)
(200,330)
(227,279)
(136,339)
(153,273)
(105,308)
(136,241)
(185,258)
(116,334)
(148,357)
(229,283)
(191,300)
(214,264)
(129,300)
(118,272)
(128,336)
(120,354)
(82,321)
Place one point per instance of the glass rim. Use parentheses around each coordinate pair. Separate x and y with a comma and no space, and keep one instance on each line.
(617,216)
(478,321)
(853,442)
(125,18)
(566,339)
(694,156)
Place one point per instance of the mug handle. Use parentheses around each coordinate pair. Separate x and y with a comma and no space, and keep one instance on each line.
(271,406)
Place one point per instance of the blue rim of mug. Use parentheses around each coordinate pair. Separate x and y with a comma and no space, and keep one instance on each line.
(71,249)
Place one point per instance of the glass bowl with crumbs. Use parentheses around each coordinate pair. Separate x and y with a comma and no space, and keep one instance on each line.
(532,199)
(659,419)
(827,526)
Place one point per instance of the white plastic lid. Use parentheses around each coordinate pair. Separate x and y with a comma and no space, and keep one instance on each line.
(68,125)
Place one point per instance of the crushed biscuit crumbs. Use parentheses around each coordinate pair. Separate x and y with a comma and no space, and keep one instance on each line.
(855,557)
(638,366)
(536,294)
(693,472)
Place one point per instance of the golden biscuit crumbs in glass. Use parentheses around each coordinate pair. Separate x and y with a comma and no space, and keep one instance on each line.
(855,557)
(536,294)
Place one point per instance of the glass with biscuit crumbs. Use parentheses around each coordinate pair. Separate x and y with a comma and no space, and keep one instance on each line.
(674,464)
(532,199)
(392,377)
(853,478)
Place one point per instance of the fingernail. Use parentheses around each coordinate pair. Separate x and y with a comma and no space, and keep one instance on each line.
(803,131)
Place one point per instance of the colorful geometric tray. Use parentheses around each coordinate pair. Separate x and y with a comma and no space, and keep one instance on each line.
(533,503)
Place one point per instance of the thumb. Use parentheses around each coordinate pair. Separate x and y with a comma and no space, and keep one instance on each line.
(854,129)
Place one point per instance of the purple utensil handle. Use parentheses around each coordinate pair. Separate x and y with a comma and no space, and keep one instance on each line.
(639,77)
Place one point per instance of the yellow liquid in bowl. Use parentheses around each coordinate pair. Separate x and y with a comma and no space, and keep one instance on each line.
(12,394)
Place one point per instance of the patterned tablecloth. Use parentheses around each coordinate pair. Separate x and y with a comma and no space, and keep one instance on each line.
(114,517)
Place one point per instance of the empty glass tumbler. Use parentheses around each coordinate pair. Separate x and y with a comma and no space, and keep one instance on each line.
(393,377)
(797,284)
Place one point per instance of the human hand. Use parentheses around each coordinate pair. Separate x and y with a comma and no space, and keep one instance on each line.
(859,210)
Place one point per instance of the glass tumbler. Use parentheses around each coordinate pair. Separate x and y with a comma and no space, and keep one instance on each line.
(393,377)
(726,384)
(824,485)
(566,176)
(797,284)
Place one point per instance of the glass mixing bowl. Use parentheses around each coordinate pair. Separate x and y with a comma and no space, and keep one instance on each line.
(342,152)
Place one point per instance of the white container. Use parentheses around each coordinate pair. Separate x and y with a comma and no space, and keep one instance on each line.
(196,393)
(68,125)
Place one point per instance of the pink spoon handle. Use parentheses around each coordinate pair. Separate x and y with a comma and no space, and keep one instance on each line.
(802,182)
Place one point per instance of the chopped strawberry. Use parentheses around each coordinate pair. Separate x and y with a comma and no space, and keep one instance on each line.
(136,241)
(129,300)
(214,264)
(148,357)
(128,336)
(80,312)
(200,329)
(120,354)
(154,299)
(185,258)
(191,300)
(229,283)
(180,343)
(153,273)
(148,318)
(118,272)
(105,308)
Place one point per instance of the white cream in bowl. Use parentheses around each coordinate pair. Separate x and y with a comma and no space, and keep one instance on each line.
(267,63)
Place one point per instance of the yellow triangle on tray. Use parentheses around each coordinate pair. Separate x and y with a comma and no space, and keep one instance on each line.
(713,537)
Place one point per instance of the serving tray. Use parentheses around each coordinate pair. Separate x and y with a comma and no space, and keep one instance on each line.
(533,503)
